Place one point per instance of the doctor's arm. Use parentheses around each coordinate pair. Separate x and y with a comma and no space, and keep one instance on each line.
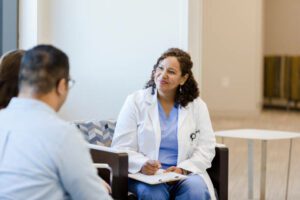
(125,136)
(204,152)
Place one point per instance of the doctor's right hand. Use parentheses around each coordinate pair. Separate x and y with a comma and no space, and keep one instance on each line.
(150,167)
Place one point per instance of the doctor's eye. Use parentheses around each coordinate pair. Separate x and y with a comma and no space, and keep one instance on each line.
(171,72)
(160,67)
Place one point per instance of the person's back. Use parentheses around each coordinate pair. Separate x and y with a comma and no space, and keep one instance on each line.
(41,156)
(33,148)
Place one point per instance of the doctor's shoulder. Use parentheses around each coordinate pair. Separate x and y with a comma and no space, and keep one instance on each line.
(139,97)
(198,105)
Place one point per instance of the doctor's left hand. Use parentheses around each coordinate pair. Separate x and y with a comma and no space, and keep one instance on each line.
(174,169)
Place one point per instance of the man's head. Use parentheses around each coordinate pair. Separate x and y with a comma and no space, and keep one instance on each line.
(44,75)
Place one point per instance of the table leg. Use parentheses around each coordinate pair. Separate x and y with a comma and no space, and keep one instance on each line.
(263,170)
(288,171)
(250,169)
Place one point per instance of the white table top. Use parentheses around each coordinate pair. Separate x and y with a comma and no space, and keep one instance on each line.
(258,134)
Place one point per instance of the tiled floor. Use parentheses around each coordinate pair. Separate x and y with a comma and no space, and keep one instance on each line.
(277,155)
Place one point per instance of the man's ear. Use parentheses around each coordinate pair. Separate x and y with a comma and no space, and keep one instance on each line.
(62,86)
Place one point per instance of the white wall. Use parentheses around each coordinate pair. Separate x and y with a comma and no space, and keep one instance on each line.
(112,46)
(27,23)
(282,28)
(232,56)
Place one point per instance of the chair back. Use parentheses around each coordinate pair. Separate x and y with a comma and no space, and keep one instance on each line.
(97,132)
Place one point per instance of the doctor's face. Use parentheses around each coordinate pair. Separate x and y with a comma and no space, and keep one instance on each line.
(168,76)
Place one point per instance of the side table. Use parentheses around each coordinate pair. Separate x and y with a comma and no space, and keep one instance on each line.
(264,136)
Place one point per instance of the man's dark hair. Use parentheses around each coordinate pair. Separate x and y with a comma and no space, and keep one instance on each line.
(189,91)
(42,67)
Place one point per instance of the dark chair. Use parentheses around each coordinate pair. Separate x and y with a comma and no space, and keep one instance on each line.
(118,162)
(219,172)
(100,133)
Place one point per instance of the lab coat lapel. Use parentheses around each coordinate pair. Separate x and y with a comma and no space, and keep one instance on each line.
(182,114)
(154,117)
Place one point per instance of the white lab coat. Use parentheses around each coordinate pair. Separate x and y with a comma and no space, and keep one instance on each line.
(138,133)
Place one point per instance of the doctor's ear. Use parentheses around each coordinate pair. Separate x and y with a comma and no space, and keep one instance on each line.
(184,79)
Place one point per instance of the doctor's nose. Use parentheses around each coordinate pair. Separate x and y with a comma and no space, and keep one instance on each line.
(164,74)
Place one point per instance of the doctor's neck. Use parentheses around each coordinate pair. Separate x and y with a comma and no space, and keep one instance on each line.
(168,98)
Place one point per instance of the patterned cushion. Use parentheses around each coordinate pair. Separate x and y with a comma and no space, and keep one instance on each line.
(98,132)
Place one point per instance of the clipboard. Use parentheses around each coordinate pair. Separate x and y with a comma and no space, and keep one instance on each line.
(158,178)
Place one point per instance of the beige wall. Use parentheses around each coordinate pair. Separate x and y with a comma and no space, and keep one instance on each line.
(282,30)
(232,56)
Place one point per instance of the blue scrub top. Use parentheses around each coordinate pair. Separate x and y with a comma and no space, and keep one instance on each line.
(168,151)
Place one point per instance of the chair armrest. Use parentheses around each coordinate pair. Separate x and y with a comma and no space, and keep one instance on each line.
(105,172)
(219,172)
(118,161)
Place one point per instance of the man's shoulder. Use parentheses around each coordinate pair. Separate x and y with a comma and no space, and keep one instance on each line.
(48,125)
(62,134)
(62,126)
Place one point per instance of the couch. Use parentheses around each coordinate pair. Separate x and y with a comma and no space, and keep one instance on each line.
(99,134)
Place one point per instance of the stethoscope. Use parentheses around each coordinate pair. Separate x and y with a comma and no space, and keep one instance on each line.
(194,135)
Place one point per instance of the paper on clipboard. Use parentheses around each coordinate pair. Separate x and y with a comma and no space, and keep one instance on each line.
(157,178)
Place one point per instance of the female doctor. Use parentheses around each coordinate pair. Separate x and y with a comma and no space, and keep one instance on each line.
(167,125)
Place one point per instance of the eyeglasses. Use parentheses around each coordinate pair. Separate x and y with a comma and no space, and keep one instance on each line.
(71,83)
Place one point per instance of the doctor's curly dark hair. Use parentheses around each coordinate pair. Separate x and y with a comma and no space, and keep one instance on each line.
(190,90)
